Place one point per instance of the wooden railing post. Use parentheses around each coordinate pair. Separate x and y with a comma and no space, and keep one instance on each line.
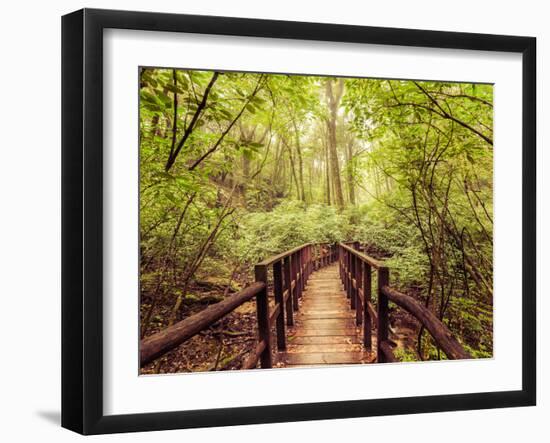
(299,279)
(288,287)
(348,274)
(345,265)
(383,280)
(367,321)
(262,309)
(340,262)
(345,270)
(359,282)
(309,264)
(353,293)
(306,264)
(293,279)
(302,270)
(279,299)
(317,254)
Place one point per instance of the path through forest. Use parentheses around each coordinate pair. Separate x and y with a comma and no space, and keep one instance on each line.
(325,332)
(237,167)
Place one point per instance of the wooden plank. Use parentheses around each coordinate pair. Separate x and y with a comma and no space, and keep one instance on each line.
(321,340)
(325,299)
(315,332)
(323,292)
(326,315)
(324,347)
(325,323)
(332,283)
(319,306)
(324,304)
(335,301)
(316,293)
(324,358)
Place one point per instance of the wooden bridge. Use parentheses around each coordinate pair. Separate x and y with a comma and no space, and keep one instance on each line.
(315,306)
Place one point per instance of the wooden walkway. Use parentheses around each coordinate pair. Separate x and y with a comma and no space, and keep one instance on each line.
(325,332)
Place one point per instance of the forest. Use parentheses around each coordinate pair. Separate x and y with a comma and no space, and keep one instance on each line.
(236,167)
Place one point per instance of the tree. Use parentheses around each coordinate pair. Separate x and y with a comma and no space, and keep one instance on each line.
(334,92)
(238,166)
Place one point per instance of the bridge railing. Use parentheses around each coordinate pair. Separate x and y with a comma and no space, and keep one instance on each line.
(289,273)
(356,270)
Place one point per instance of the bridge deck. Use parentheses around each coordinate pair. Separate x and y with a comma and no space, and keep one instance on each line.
(324,332)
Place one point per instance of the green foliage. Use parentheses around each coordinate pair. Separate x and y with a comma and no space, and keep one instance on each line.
(235,167)
(404,355)
(290,224)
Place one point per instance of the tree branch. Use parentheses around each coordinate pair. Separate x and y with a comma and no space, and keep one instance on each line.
(218,143)
(189,130)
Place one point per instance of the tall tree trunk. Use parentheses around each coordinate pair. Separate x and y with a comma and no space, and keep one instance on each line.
(334,95)
(350,172)
(327,174)
(301,191)
(293,170)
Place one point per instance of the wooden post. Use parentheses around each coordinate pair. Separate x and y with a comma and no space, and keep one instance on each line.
(279,299)
(340,262)
(309,267)
(346,282)
(288,287)
(306,264)
(304,268)
(348,274)
(353,293)
(367,320)
(293,267)
(383,280)
(300,272)
(359,282)
(315,257)
(262,309)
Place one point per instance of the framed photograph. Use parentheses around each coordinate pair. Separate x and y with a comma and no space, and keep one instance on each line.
(269,221)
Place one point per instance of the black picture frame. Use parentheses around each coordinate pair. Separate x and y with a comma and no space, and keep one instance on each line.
(82,219)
